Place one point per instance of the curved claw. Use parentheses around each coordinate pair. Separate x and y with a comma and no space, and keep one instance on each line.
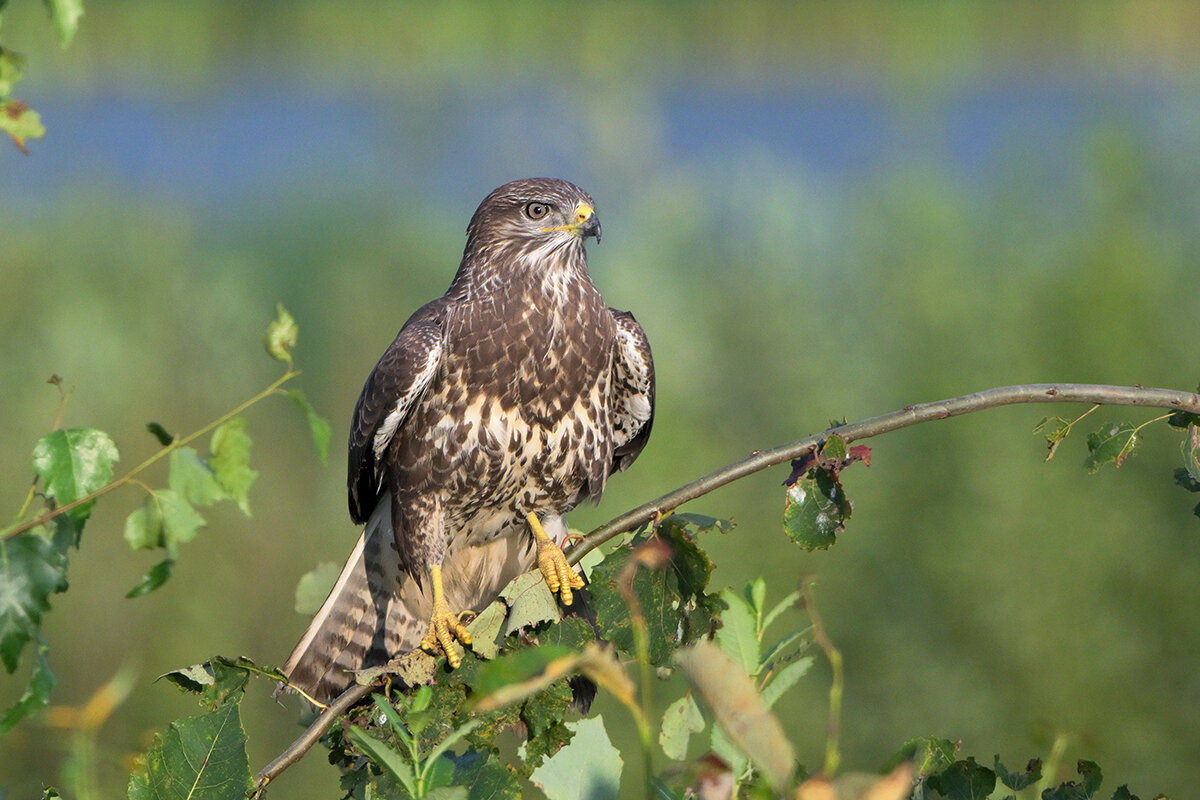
(560,576)
(444,625)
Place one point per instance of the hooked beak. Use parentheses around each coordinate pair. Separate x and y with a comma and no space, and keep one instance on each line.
(589,223)
(586,223)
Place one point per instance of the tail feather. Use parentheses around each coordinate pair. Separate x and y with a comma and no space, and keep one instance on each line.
(377,611)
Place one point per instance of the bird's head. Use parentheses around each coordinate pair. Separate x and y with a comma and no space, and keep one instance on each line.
(532,214)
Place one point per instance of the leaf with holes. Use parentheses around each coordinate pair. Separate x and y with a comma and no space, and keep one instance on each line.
(1112,444)
(73,464)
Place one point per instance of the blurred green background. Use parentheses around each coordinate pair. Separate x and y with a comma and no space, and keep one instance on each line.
(816,211)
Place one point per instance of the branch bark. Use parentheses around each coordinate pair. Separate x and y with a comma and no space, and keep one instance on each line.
(312,734)
(1094,394)
(761,459)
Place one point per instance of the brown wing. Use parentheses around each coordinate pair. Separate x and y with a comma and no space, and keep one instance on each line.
(397,383)
(633,390)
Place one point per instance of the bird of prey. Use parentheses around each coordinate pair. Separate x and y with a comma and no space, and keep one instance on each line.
(497,409)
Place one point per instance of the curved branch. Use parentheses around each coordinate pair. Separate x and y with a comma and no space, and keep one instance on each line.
(761,459)
(908,416)
(312,734)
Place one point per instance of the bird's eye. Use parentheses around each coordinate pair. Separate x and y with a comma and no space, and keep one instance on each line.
(536,210)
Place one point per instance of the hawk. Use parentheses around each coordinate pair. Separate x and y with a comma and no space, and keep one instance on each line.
(499,407)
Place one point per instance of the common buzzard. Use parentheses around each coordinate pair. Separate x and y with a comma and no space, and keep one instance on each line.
(500,405)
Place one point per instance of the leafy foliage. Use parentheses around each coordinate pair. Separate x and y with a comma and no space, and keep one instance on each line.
(816,507)
(433,733)
(72,469)
(201,757)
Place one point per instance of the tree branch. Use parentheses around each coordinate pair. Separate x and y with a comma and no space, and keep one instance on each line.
(296,750)
(761,459)
(906,417)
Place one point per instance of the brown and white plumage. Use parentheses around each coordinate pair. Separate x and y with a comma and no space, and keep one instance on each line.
(516,392)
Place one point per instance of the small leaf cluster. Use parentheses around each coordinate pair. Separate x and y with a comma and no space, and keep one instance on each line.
(17,119)
(1114,442)
(815,506)
(939,775)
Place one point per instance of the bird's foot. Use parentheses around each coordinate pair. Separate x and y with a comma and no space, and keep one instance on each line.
(559,574)
(444,625)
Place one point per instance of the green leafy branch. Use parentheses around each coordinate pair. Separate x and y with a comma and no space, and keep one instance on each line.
(17,119)
(73,468)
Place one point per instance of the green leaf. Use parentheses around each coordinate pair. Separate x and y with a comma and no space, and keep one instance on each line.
(681,719)
(1054,429)
(834,448)
(701,523)
(784,679)
(385,758)
(180,521)
(20,122)
(31,569)
(393,718)
(1019,780)
(144,526)
(193,479)
(572,633)
(1112,444)
(73,464)
(282,334)
(530,601)
(317,425)
(543,716)
(964,780)
(485,630)
(1191,451)
(218,682)
(485,778)
(517,667)
(928,756)
(11,66)
(737,707)
(65,14)
(230,461)
(815,510)
(155,577)
(672,598)
(736,636)
(314,587)
(37,691)
(445,792)
(1071,790)
(587,767)
(198,758)
(780,607)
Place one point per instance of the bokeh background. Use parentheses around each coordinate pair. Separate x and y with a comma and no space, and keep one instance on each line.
(816,210)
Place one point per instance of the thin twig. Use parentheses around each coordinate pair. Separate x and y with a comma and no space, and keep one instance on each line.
(167,450)
(911,415)
(296,750)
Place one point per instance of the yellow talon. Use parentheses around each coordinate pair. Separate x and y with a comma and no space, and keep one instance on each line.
(444,624)
(560,576)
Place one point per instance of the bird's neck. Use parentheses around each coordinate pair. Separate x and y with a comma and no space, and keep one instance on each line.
(554,274)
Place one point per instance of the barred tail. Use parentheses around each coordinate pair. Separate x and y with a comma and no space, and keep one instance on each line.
(377,611)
